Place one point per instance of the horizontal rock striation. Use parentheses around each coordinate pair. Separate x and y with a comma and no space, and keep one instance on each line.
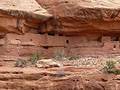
(19,16)
(24,9)
(84,15)
(46,79)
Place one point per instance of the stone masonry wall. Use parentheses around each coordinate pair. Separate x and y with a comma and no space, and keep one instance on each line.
(48,45)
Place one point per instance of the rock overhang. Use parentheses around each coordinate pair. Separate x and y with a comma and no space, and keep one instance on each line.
(18,16)
(27,9)
(77,8)
(76,16)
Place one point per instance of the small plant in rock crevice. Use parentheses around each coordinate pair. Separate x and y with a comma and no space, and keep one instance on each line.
(34,58)
(21,63)
(110,67)
(32,61)
(59,55)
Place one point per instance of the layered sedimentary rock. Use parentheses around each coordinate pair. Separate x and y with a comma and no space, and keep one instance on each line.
(72,27)
(78,27)
(45,79)
(84,15)
(20,16)
(90,26)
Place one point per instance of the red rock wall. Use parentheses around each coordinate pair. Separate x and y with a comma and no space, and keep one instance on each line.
(73,16)
(86,31)
(64,33)
(47,45)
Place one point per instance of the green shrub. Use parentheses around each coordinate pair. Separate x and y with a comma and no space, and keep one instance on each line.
(32,61)
(110,65)
(21,63)
(110,68)
(115,71)
(34,58)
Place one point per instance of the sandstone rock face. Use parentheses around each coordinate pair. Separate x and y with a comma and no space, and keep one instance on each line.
(78,27)
(19,27)
(81,28)
(45,79)
(90,26)
(84,15)
(47,63)
(24,9)
(19,16)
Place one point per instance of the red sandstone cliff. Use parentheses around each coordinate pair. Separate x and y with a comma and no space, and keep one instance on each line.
(19,16)
(75,16)
(82,27)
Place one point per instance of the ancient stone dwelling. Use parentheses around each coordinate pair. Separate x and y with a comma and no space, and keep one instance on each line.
(90,27)
(82,28)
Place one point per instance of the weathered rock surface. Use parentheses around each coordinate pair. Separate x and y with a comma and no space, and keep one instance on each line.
(86,33)
(75,16)
(90,27)
(83,27)
(44,79)
(24,9)
(17,16)
(47,63)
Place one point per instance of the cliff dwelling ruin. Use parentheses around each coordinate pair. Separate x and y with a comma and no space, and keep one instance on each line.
(82,30)
(84,34)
